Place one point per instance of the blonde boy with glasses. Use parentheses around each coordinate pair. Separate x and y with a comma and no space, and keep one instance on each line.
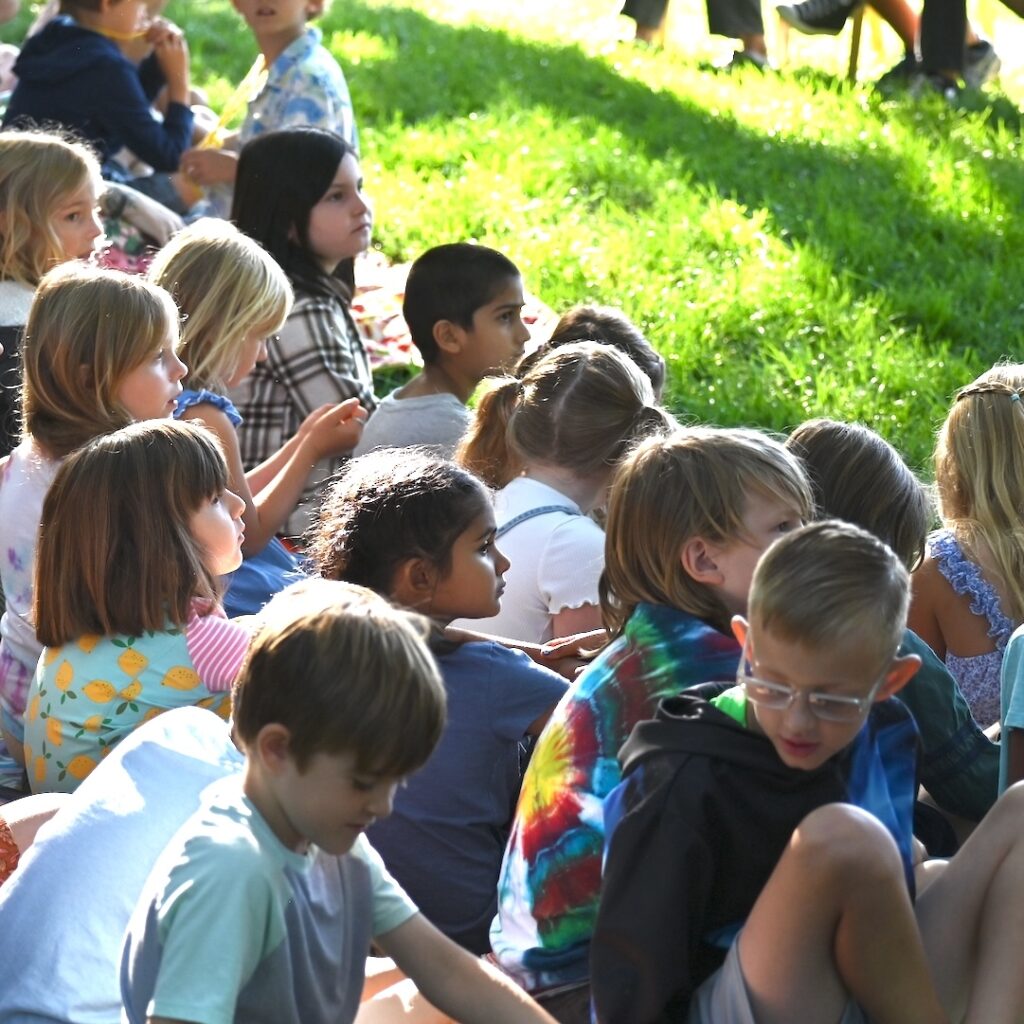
(761,866)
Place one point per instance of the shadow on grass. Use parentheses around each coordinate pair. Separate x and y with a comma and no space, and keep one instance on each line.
(811,189)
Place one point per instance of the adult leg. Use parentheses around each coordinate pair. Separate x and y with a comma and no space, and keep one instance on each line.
(738,19)
(835,922)
(972,919)
(901,18)
(943,29)
(648,15)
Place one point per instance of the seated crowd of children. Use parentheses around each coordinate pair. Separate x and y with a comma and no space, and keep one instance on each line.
(293,726)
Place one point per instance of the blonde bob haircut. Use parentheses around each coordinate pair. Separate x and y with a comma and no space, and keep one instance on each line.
(227,289)
(345,673)
(832,586)
(580,407)
(38,171)
(116,551)
(979,474)
(696,482)
(87,329)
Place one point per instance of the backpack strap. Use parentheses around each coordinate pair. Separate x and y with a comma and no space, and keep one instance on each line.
(532,513)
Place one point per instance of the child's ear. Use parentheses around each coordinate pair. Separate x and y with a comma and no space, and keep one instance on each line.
(698,561)
(314,8)
(273,746)
(449,337)
(740,628)
(414,582)
(899,673)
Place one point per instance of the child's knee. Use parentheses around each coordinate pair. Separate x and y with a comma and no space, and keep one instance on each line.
(844,841)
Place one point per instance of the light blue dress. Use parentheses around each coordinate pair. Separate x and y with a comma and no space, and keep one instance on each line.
(978,676)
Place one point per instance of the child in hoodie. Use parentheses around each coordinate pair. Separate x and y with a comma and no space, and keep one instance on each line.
(72,73)
(775,817)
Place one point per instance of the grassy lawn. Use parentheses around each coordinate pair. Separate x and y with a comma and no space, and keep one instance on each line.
(794,245)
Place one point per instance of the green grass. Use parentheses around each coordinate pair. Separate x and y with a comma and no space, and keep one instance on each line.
(794,245)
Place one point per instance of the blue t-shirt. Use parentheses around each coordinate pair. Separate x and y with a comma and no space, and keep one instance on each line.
(446,835)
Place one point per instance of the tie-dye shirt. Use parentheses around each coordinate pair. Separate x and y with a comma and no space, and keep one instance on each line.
(550,880)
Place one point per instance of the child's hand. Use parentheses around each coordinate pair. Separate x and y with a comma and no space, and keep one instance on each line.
(171,52)
(209,166)
(338,429)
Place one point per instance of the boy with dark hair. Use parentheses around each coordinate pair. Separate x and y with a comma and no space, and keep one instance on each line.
(73,73)
(337,701)
(776,818)
(463,304)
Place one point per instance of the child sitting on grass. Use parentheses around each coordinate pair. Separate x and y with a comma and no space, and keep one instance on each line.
(760,865)
(969,590)
(337,702)
(463,304)
(688,517)
(420,531)
(72,73)
(859,477)
(304,86)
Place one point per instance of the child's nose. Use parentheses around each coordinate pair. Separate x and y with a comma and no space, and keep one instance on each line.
(524,333)
(178,368)
(235,504)
(501,563)
(799,717)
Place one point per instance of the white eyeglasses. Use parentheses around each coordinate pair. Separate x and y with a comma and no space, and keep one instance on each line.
(829,707)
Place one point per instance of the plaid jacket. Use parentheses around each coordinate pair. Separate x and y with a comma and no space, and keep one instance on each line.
(317,358)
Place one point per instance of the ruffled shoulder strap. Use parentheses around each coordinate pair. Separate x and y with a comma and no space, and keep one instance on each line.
(187,399)
(965,577)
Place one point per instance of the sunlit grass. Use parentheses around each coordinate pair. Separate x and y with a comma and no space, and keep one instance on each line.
(794,245)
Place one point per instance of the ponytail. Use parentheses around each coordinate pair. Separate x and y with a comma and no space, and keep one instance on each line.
(485,448)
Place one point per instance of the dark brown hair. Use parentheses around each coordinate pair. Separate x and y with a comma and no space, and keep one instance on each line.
(858,476)
(389,506)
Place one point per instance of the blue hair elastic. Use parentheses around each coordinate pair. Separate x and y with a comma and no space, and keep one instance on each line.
(1015,397)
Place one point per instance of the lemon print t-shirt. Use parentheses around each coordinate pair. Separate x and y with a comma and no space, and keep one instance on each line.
(86,696)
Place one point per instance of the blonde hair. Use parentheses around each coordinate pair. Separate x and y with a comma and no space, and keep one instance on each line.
(832,586)
(38,170)
(87,329)
(116,550)
(227,288)
(979,474)
(579,408)
(694,483)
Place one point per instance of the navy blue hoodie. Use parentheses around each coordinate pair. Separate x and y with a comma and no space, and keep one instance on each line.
(71,76)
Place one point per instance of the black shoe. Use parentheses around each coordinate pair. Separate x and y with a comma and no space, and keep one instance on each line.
(981,64)
(817,17)
(900,75)
(931,83)
(744,59)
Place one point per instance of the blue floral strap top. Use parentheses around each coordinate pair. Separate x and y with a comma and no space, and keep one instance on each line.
(188,398)
(978,676)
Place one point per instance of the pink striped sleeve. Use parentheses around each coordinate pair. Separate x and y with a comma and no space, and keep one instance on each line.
(217,646)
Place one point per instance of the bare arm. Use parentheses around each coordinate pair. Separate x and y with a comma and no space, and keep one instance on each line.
(458,983)
(569,621)
(925,586)
(270,507)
